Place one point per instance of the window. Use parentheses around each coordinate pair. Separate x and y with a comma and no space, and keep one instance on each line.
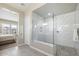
(13,29)
(8,29)
(5,28)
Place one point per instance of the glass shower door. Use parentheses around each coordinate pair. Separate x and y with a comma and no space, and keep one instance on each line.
(64,36)
(45,31)
(42,33)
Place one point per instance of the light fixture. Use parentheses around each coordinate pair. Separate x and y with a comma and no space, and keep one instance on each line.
(49,14)
(44,24)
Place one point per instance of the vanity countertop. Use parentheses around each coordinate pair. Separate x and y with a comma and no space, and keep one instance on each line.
(6,35)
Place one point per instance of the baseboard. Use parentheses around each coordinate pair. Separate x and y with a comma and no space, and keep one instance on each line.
(41,51)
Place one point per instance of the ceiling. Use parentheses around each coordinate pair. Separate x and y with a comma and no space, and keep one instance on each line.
(56,8)
(23,7)
(20,6)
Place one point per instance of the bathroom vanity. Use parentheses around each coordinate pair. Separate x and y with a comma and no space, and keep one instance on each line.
(7,39)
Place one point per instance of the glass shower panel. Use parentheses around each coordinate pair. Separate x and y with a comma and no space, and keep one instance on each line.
(64,29)
(64,34)
(42,33)
(55,26)
(76,30)
(43,29)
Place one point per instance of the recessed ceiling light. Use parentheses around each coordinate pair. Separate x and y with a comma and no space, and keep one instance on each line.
(49,14)
(44,23)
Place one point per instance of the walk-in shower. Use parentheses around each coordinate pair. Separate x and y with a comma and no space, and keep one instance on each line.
(55,29)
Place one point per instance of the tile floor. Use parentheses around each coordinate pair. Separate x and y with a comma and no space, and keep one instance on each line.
(2,47)
(13,50)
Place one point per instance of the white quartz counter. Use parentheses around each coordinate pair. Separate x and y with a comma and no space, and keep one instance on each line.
(7,37)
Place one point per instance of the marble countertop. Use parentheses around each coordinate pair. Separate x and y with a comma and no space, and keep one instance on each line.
(6,35)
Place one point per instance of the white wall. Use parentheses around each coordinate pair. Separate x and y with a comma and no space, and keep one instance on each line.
(21,29)
(27,28)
